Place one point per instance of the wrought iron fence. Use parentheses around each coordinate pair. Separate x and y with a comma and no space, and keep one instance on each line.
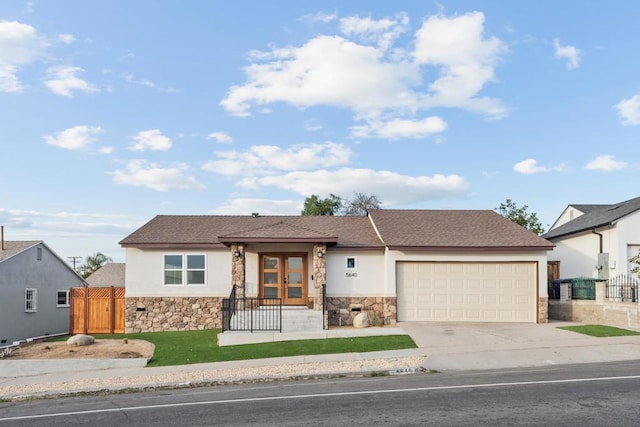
(251,314)
(325,312)
(623,288)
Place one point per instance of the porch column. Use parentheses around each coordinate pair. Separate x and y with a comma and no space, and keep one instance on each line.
(238,268)
(319,273)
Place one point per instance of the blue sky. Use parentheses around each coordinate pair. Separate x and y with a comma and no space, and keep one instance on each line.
(112,112)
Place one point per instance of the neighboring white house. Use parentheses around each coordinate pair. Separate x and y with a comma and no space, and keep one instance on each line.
(34,291)
(404,265)
(596,240)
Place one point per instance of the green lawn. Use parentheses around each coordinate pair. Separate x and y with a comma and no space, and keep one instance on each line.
(183,348)
(600,330)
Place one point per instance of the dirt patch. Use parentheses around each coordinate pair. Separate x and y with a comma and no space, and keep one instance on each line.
(100,349)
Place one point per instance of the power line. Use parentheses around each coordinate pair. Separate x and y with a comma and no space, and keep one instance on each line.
(74,260)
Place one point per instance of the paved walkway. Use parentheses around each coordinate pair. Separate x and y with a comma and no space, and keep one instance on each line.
(441,347)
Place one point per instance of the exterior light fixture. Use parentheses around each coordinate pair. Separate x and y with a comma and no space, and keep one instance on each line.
(237,254)
(320,254)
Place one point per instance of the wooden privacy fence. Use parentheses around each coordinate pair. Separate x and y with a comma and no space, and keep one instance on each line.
(96,310)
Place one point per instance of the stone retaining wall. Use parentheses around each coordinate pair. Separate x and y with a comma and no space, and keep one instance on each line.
(342,310)
(625,314)
(157,314)
(543,310)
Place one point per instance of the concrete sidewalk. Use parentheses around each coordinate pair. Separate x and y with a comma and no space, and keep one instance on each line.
(441,347)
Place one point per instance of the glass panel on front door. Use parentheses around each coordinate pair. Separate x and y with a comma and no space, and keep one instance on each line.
(283,276)
(271,277)
(295,279)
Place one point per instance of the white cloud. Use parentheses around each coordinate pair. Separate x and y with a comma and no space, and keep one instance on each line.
(66,38)
(74,138)
(141,173)
(381,32)
(629,110)
(569,53)
(62,80)
(312,125)
(393,188)
(606,163)
(142,82)
(327,70)
(529,167)
(399,128)
(265,159)
(220,137)
(105,150)
(465,58)
(247,206)
(324,18)
(20,45)
(339,72)
(151,139)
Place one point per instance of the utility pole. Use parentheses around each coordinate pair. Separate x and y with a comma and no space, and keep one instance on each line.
(74,260)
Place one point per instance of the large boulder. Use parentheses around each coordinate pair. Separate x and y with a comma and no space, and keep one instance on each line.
(361,321)
(80,339)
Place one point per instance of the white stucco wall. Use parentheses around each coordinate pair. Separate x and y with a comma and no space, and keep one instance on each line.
(367,279)
(578,255)
(393,256)
(627,243)
(144,275)
(570,213)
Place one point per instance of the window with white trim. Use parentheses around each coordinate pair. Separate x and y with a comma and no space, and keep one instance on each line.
(351,263)
(62,299)
(184,269)
(30,300)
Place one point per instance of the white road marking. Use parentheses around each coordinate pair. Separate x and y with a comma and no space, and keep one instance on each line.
(314,396)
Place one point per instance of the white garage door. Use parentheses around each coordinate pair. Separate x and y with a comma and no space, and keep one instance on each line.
(468,292)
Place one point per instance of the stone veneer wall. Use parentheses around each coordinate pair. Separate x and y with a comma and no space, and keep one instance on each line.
(543,310)
(172,314)
(341,309)
(320,274)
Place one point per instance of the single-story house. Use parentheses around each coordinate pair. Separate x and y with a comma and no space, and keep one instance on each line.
(34,291)
(110,274)
(404,265)
(595,240)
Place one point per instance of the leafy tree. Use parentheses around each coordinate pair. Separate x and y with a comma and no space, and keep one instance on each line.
(314,205)
(636,261)
(93,263)
(520,216)
(361,204)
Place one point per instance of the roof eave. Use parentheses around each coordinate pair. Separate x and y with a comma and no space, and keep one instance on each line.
(472,248)
(173,245)
(227,240)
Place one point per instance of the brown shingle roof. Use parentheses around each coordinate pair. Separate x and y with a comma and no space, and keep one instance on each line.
(453,229)
(189,231)
(111,274)
(441,229)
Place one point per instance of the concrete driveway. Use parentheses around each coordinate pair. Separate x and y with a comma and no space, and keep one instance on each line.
(463,346)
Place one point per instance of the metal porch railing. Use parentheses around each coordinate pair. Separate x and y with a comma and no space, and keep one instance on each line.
(251,314)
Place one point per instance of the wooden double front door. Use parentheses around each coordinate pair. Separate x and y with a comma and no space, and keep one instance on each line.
(284,276)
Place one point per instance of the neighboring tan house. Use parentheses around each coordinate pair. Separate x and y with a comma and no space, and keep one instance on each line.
(405,265)
(34,291)
(596,240)
(109,275)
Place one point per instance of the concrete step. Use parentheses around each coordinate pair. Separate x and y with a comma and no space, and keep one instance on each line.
(293,320)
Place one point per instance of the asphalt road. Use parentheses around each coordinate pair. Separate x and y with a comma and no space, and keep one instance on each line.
(569,395)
